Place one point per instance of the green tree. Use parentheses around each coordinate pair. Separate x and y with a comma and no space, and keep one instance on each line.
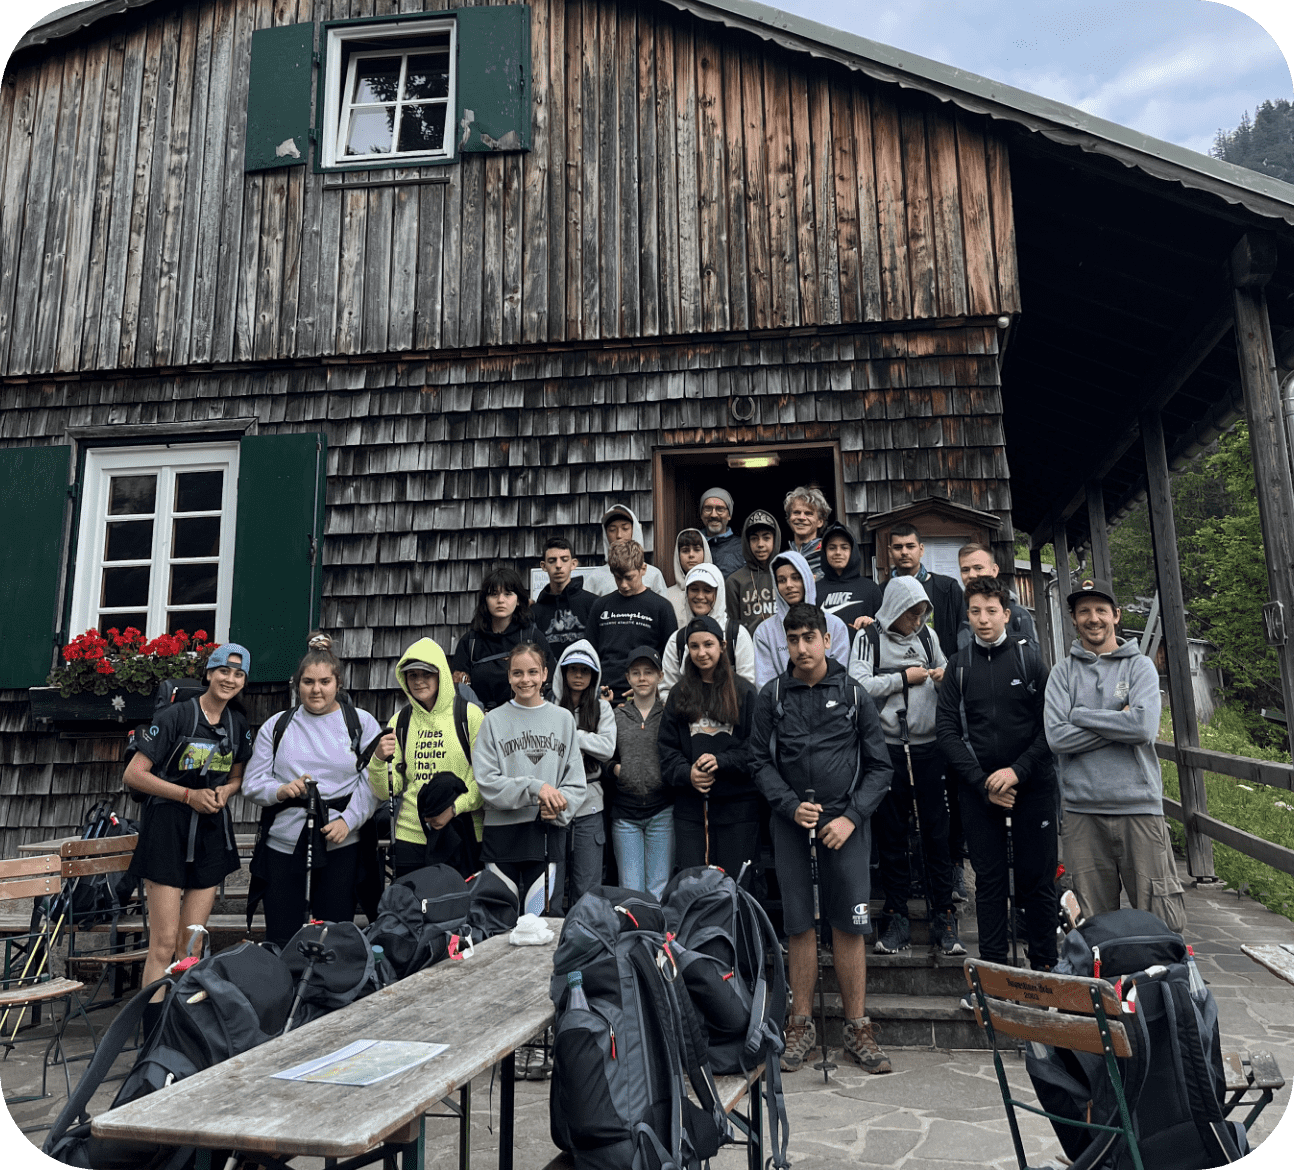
(1265,145)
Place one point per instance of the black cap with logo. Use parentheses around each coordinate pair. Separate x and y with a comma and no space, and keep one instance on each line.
(1093,587)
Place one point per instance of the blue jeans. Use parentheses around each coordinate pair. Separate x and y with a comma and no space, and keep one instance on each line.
(645,851)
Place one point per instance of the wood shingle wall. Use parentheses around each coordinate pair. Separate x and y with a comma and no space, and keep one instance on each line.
(685,179)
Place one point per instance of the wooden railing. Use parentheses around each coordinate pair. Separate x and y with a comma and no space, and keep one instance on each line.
(1241,768)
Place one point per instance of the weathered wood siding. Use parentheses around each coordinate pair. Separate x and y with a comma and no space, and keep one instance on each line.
(439,468)
(684,179)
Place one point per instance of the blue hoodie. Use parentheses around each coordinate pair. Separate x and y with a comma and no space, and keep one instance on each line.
(771,658)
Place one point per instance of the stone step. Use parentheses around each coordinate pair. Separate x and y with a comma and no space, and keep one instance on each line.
(914,972)
(909,1021)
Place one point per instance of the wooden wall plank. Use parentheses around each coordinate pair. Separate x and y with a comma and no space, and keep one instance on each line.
(535,203)
(514,196)
(784,281)
(824,199)
(590,271)
(572,103)
(687,122)
(405,212)
(806,244)
(21,100)
(1008,271)
(977,219)
(734,120)
(891,214)
(916,189)
(608,125)
(945,207)
(472,245)
(629,309)
(451,264)
(650,194)
(711,189)
(492,254)
(267,304)
(845,202)
(431,265)
(669,192)
(350,273)
(378,260)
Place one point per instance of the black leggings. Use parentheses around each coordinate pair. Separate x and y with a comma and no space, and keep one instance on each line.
(332,891)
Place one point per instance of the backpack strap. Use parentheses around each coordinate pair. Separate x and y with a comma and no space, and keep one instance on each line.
(923,632)
(1022,648)
(280,730)
(461,725)
(873,635)
(402,721)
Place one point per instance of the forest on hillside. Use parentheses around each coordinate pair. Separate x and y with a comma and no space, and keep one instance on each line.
(1265,144)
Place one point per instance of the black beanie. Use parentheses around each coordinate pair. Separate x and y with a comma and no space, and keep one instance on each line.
(438,794)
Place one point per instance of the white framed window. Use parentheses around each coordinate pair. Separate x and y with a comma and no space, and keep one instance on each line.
(155,546)
(389,93)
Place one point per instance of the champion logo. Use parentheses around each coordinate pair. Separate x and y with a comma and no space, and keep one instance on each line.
(861,915)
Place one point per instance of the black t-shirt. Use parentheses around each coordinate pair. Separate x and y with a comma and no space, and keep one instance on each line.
(179,741)
(620,624)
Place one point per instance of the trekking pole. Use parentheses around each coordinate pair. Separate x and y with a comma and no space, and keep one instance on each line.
(705,813)
(825,1064)
(547,884)
(314,952)
(312,801)
(916,814)
(1010,891)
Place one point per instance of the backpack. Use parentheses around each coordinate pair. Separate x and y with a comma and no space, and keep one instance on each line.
(1174,1081)
(464,697)
(873,635)
(102,897)
(619,1099)
(182,690)
(495,905)
(722,940)
(221,1006)
(418,917)
(1027,661)
(344,974)
(779,713)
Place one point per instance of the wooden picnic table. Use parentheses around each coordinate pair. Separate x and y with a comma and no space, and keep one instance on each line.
(1278,958)
(242,841)
(483,1007)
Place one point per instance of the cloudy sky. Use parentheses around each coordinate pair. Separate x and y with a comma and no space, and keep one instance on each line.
(1177,69)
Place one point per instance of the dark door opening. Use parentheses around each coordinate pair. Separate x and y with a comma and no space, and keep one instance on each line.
(682,475)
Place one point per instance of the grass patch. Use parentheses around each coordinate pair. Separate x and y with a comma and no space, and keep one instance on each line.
(1265,812)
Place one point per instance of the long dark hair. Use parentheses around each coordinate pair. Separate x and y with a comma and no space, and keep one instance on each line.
(501,580)
(588,708)
(694,698)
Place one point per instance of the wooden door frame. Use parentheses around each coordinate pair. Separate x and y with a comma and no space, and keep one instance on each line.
(664,499)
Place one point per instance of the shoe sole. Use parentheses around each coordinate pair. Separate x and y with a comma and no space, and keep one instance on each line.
(882,950)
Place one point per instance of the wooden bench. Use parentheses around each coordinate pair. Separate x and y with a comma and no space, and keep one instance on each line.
(1278,958)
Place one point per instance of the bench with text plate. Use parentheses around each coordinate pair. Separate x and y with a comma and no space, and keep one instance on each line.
(483,1007)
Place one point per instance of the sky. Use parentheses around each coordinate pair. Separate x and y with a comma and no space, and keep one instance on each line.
(1175,69)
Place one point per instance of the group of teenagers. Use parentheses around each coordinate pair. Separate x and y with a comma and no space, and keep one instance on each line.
(767,699)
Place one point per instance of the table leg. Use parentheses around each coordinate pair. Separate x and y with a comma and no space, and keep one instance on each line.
(755,1144)
(413,1154)
(465,1127)
(507,1106)
(202,1160)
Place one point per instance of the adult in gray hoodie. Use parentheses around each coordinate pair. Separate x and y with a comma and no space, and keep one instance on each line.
(1102,717)
(900,664)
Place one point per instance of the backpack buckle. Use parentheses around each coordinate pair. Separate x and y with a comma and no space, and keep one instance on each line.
(460,947)
(664,956)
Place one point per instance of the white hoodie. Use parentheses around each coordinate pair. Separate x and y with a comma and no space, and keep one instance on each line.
(597,747)
(676,594)
(771,657)
(599,581)
(676,648)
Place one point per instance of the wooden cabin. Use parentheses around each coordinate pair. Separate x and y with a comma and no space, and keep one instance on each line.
(341,302)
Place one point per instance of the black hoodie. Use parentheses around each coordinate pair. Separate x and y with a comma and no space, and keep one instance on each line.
(561,617)
(848,593)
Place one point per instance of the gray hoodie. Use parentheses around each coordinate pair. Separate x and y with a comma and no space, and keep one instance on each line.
(518,751)
(599,581)
(1102,717)
(771,658)
(898,652)
(597,747)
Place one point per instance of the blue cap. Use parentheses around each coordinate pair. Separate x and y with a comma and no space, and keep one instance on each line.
(220,657)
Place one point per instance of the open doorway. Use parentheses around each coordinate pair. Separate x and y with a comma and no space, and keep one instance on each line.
(757,476)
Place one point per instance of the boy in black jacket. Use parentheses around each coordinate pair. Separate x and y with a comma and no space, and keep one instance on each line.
(630,617)
(998,749)
(828,738)
(562,608)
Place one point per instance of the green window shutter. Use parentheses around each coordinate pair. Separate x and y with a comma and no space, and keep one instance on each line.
(493,78)
(278,561)
(278,97)
(33,498)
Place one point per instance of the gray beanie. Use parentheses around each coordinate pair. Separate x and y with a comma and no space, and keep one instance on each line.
(719,494)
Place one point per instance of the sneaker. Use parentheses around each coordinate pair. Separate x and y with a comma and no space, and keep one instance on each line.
(523,1058)
(959,883)
(943,934)
(801,1036)
(861,1046)
(896,935)
(968,1002)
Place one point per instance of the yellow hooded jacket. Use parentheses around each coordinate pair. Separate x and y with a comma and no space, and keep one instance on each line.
(433,747)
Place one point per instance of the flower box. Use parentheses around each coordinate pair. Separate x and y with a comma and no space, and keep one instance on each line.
(124,709)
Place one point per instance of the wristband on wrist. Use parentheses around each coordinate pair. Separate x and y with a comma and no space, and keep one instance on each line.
(186,796)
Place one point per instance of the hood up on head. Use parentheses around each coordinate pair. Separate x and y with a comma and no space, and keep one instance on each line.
(428,651)
(854,566)
(901,594)
(709,575)
(581,649)
(791,557)
(678,564)
(637,529)
(759,519)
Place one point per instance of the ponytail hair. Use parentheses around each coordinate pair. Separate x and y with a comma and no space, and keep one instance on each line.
(319,653)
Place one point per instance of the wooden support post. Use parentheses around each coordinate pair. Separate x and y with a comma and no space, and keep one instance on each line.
(1100,534)
(1060,542)
(1172,613)
(1252,264)
(1041,608)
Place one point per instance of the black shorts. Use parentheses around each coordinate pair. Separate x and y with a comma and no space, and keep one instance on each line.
(844,878)
(164,844)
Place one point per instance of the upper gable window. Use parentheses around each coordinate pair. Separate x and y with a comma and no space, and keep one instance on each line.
(390,92)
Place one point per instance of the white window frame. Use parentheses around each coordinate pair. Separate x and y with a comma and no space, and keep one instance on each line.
(101,464)
(337,83)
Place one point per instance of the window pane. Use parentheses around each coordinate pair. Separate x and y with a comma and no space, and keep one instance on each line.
(122,621)
(129,540)
(198,491)
(422,127)
(370,131)
(192,620)
(132,495)
(377,79)
(126,586)
(199,537)
(427,76)
(193,584)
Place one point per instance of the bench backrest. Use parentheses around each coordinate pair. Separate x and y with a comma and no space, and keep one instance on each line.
(30,877)
(1019,1002)
(83,858)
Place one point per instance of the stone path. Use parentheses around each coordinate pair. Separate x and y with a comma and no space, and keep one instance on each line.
(937,1111)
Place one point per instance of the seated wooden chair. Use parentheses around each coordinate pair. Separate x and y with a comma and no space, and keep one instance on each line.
(1065,1011)
(127,931)
(28,981)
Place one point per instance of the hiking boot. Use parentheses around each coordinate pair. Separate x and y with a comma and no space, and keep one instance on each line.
(943,934)
(896,935)
(523,1058)
(801,1036)
(959,883)
(861,1046)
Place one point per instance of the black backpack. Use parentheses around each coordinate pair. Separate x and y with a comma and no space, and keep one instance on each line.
(494,907)
(872,633)
(221,1006)
(418,917)
(343,974)
(169,692)
(1174,1081)
(102,897)
(723,941)
(619,1099)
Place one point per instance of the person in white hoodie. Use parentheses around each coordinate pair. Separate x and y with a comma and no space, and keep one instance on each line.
(706,596)
(690,549)
(621,523)
(899,662)
(575,687)
(794,580)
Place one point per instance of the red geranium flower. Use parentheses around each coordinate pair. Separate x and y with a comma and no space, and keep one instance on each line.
(105,667)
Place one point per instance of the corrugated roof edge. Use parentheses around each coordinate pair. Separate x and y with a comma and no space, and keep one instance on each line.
(1063,124)
(980,95)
